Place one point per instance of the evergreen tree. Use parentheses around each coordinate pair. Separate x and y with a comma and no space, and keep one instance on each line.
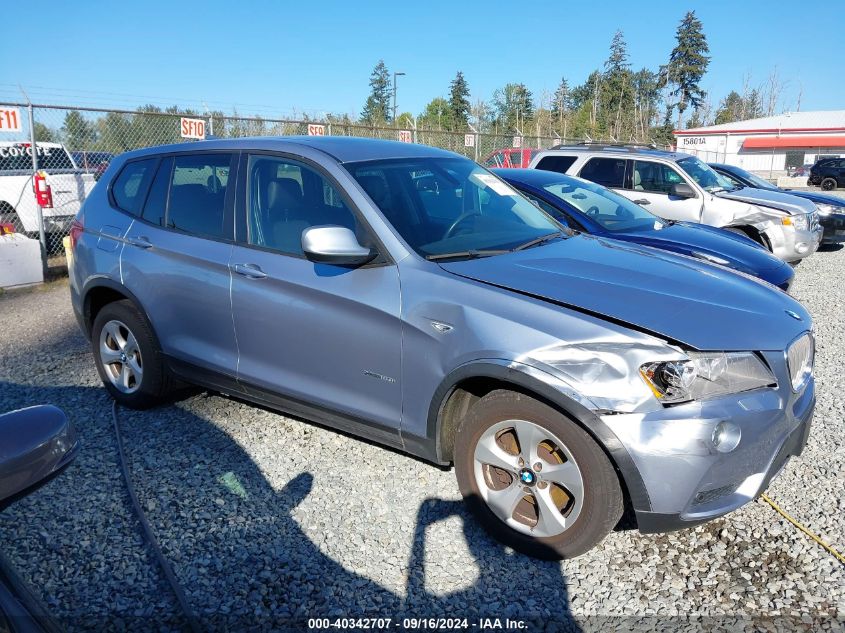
(78,132)
(616,95)
(459,105)
(377,108)
(753,105)
(730,109)
(687,64)
(562,103)
(44,134)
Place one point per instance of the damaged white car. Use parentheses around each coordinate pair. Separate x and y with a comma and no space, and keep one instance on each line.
(680,187)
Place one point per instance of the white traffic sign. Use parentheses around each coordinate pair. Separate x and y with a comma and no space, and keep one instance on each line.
(405,136)
(517,141)
(315,129)
(192,128)
(10,120)
(469,140)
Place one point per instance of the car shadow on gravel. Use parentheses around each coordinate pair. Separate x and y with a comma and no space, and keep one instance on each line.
(234,538)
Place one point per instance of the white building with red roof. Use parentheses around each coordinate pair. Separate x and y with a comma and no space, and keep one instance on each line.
(769,144)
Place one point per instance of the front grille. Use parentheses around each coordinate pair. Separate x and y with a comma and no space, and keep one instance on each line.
(799,359)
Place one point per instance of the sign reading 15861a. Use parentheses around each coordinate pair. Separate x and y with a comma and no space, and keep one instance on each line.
(10,120)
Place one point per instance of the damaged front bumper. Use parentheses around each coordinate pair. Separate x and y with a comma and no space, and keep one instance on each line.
(687,478)
(791,244)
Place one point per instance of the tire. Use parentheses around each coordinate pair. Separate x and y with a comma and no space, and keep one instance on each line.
(116,326)
(566,522)
(828,184)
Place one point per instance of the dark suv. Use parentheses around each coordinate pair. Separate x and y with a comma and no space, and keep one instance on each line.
(828,173)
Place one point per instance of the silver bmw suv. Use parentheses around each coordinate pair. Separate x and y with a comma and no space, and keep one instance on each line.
(405,294)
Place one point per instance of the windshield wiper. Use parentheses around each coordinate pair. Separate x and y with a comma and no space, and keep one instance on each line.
(540,240)
(470,254)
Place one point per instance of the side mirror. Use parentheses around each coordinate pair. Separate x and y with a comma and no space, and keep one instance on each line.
(36,444)
(334,245)
(682,190)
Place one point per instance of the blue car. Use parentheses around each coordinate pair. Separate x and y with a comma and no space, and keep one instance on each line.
(591,208)
(831,208)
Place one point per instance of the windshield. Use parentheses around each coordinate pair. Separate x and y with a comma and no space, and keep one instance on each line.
(755,180)
(443,206)
(702,174)
(613,212)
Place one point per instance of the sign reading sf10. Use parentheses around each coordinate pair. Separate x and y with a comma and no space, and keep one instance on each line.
(192,128)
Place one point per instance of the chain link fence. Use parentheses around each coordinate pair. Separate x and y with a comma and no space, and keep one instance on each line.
(52,156)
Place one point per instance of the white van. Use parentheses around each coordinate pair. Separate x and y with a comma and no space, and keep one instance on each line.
(681,187)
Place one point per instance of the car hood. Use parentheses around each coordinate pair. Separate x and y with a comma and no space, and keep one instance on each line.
(700,305)
(702,241)
(769,198)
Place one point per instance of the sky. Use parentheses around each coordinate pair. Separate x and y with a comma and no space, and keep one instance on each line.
(287,58)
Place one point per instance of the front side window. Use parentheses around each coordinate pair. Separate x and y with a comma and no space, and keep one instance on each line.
(130,187)
(608,172)
(197,198)
(466,211)
(285,198)
(654,177)
(614,213)
(703,175)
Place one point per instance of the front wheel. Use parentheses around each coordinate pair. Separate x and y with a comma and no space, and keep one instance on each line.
(535,479)
(127,356)
(828,184)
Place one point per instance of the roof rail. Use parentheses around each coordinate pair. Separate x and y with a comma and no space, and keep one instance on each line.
(628,146)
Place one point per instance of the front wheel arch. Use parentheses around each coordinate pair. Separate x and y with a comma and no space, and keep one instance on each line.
(468,383)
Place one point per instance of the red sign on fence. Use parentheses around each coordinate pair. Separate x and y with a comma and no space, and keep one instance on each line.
(405,136)
(315,129)
(192,128)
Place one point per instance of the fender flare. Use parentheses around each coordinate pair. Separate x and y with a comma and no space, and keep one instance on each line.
(584,417)
(107,282)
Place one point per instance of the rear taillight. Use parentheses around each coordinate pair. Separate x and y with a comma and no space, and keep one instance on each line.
(43,193)
(76,229)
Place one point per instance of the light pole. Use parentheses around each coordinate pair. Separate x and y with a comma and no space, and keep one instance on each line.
(395,75)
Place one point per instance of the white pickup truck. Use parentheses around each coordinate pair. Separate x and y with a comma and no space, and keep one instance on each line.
(68,187)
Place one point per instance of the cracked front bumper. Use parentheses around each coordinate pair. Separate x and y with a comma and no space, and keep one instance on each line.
(687,479)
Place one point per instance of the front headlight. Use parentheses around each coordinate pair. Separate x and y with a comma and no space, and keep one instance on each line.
(800,222)
(705,375)
(827,209)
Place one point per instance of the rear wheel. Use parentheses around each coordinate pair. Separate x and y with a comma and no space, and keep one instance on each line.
(128,357)
(535,479)
(828,184)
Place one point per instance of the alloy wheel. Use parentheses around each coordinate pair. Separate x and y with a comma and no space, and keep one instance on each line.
(528,478)
(121,357)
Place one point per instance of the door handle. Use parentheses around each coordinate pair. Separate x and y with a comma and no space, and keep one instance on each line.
(140,242)
(249,270)
(642,201)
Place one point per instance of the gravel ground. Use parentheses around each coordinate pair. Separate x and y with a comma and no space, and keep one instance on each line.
(268,519)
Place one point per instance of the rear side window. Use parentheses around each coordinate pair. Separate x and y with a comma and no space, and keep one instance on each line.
(197,199)
(556,163)
(608,172)
(129,189)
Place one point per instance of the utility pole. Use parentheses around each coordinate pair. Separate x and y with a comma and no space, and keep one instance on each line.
(394,94)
